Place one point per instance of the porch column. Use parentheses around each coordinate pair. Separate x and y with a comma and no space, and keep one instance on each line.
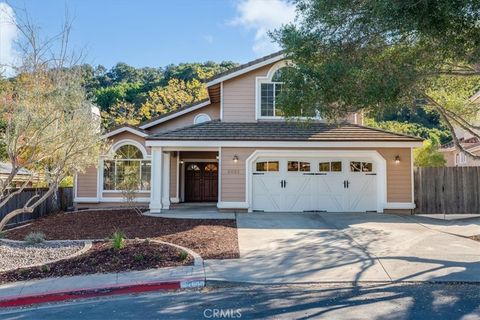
(156,180)
(166,181)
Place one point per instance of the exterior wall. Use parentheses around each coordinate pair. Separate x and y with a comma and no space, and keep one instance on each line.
(119,195)
(94,205)
(239,96)
(87,183)
(130,136)
(212,110)
(399,181)
(450,158)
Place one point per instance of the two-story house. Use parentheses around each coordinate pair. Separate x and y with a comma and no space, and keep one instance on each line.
(236,151)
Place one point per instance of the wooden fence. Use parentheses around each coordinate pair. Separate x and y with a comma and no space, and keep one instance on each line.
(59,201)
(447,190)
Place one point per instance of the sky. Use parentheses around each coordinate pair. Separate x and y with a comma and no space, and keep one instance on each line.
(154,33)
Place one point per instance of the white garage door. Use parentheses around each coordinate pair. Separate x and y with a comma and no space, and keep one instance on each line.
(314,184)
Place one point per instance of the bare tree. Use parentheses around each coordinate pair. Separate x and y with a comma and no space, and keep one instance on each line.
(49,124)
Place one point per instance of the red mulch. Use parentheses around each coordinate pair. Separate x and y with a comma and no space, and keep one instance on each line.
(102,258)
(211,238)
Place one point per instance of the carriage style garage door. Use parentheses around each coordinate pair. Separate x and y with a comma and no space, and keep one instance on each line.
(314,184)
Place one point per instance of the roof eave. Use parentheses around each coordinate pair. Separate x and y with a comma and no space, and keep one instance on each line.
(246,69)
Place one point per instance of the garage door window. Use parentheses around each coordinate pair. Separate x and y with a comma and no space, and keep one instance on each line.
(267,166)
(294,166)
(357,166)
(334,166)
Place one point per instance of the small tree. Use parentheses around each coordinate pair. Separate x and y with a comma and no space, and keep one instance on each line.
(49,126)
(130,186)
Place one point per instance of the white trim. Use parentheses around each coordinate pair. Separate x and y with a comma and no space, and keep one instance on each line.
(221,101)
(123,129)
(177,192)
(85,199)
(265,79)
(399,205)
(135,143)
(156,180)
(176,114)
(232,205)
(246,69)
(201,115)
(120,191)
(219,193)
(166,181)
(106,200)
(199,160)
(292,144)
(380,162)
(190,149)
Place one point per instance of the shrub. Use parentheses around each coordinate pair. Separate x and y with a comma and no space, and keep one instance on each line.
(23,271)
(34,237)
(45,268)
(118,239)
(183,255)
(138,257)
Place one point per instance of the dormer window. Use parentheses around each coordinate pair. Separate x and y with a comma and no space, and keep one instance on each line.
(269,90)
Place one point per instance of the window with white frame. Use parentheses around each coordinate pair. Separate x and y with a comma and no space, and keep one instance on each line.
(128,162)
(269,90)
(460,158)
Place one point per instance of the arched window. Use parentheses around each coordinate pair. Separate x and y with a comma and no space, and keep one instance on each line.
(269,90)
(200,118)
(127,169)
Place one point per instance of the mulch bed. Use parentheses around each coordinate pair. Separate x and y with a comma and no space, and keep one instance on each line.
(211,238)
(102,258)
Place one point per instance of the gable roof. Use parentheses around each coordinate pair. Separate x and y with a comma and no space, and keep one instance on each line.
(244,68)
(280,131)
(175,113)
(125,128)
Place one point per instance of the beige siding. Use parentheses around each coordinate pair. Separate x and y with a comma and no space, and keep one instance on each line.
(450,158)
(87,183)
(239,96)
(106,205)
(212,110)
(399,183)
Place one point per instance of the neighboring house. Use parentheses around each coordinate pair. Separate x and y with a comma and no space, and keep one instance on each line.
(457,158)
(23,176)
(236,151)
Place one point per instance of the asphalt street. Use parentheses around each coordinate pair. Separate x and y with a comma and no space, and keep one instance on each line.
(320,301)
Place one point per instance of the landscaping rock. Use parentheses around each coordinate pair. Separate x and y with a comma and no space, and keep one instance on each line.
(14,255)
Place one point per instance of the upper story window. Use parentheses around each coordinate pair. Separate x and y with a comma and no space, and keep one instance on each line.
(269,90)
(127,166)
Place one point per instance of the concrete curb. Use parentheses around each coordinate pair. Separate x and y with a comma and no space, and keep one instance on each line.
(190,281)
(57,296)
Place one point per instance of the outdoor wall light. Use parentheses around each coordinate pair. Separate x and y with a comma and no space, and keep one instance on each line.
(397,159)
(181,161)
(217,157)
(235,158)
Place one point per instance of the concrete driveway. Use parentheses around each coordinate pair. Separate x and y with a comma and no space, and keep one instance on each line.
(336,247)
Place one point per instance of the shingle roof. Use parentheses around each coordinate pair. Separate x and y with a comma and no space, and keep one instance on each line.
(246,65)
(279,131)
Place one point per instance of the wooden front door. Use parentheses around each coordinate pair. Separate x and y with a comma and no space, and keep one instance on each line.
(201,181)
